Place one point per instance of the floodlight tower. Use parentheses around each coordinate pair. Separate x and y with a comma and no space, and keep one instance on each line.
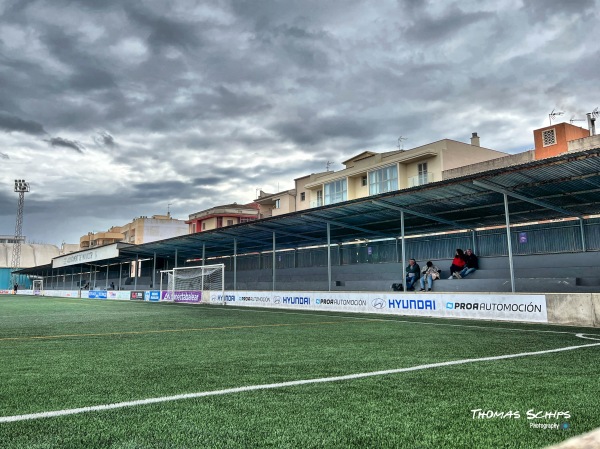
(21,187)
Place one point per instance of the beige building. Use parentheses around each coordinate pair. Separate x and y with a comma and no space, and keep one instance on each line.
(140,230)
(371,173)
(273,204)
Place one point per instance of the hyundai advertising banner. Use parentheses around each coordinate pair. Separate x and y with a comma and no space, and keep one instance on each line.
(530,308)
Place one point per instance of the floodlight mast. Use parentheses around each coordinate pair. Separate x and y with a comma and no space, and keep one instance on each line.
(21,187)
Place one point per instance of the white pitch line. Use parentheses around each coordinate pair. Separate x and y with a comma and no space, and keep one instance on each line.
(588,338)
(178,397)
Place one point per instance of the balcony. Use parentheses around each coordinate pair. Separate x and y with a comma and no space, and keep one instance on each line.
(419,180)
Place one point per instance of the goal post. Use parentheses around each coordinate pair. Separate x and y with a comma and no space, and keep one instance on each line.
(38,287)
(203,283)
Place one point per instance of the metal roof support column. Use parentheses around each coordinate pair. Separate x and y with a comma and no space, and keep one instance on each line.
(203,254)
(120,273)
(402,274)
(80,276)
(72,275)
(234,264)
(509,243)
(154,271)
(397,252)
(175,258)
(135,275)
(583,246)
(329,256)
(474,238)
(106,283)
(274,262)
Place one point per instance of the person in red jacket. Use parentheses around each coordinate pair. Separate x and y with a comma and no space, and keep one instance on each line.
(458,263)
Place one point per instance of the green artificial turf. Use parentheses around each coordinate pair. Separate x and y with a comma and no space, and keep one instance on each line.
(59,353)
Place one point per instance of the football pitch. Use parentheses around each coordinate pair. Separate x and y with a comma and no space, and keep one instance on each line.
(81,373)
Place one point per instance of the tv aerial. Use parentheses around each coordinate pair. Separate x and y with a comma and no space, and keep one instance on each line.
(400,140)
(554,114)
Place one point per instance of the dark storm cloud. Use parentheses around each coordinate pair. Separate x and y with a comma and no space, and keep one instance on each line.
(223,102)
(430,29)
(9,122)
(65,143)
(103,138)
(166,190)
(163,31)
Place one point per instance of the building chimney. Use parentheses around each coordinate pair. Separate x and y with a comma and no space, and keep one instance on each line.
(591,123)
(475,139)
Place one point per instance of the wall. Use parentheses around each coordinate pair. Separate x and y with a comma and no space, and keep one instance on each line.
(506,161)
(458,154)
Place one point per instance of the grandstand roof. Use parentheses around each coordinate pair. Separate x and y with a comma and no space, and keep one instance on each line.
(557,187)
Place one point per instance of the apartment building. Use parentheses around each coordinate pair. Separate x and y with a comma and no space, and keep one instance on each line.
(372,173)
(273,204)
(221,216)
(141,230)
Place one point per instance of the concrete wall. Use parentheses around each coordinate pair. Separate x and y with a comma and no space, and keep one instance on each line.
(31,254)
(507,161)
(575,309)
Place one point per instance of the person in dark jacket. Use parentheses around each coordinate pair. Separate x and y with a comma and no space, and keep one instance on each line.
(472,264)
(413,272)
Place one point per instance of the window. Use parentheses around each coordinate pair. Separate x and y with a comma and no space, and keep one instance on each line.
(336,191)
(319,198)
(246,219)
(203,225)
(229,222)
(549,137)
(422,169)
(302,196)
(219,222)
(383,180)
(363,181)
(277,204)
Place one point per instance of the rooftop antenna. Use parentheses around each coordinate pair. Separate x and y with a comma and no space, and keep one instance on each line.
(573,119)
(553,115)
(169,209)
(328,164)
(400,144)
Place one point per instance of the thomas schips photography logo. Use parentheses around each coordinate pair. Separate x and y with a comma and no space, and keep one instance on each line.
(532,416)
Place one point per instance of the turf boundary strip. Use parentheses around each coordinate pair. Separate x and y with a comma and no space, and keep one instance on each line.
(179,397)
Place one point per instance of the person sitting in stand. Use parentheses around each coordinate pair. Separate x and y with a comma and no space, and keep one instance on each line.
(412,274)
(472,264)
(458,263)
(429,273)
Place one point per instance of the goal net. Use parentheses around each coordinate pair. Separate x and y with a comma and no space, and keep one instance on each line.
(194,284)
(38,287)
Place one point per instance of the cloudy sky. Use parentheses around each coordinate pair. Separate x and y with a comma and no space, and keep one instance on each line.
(114,109)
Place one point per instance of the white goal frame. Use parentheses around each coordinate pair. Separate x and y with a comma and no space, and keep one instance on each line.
(38,284)
(212,288)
